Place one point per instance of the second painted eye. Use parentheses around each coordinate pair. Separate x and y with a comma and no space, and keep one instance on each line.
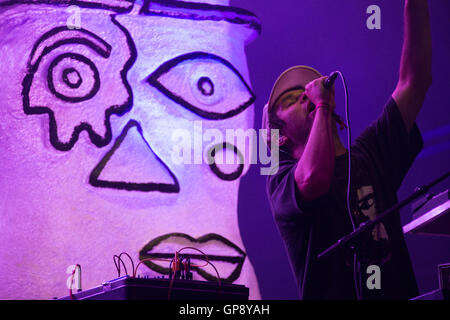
(204,83)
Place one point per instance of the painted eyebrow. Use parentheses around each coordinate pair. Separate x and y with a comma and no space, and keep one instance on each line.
(120,6)
(201,11)
(62,35)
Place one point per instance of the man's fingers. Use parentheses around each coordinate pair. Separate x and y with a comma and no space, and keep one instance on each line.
(316,82)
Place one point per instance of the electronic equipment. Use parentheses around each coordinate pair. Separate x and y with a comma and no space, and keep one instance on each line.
(431,216)
(444,276)
(131,288)
(443,293)
(439,294)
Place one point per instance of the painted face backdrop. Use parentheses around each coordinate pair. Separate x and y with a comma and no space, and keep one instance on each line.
(94,122)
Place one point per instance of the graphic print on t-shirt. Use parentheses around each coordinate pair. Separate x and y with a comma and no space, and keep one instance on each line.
(366,206)
(377,248)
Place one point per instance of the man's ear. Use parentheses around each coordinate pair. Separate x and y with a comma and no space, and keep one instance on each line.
(282,140)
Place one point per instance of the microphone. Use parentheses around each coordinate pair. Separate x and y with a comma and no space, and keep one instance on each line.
(328,83)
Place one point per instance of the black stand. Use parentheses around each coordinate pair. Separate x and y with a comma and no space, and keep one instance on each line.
(365,226)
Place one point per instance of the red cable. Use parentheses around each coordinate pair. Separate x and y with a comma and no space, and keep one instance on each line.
(207,262)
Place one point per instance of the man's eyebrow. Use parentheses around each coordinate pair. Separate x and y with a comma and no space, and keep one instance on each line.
(288,94)
(62,35)
(287,97)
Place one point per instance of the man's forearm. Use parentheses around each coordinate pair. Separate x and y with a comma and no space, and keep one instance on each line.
(316,165)
(415,65)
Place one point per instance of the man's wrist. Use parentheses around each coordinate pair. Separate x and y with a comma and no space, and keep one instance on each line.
(323,105)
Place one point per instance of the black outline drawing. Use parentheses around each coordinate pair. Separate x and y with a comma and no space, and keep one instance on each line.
(226,176)
(65,78)
(122,6)
(167,66)
(200,11)
(145,253)
(200,87)
(131,186)
(104,50)
(78,57)
(91,40)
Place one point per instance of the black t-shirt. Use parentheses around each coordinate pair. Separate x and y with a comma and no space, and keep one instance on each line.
(380,159)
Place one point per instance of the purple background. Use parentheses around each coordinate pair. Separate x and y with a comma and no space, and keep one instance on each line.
(332,35)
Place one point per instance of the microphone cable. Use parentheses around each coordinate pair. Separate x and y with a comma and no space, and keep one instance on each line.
(356,266)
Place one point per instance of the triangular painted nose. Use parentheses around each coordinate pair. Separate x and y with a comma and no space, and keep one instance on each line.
(132,165)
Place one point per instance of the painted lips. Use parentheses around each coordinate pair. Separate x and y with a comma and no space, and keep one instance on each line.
(226,254)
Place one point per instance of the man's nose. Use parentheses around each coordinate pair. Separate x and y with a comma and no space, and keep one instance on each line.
(303,97)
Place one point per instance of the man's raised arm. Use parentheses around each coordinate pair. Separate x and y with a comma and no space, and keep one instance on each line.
(415,64)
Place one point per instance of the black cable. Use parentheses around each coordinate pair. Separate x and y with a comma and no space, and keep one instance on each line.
(132,262)
(118,264)
(115,263)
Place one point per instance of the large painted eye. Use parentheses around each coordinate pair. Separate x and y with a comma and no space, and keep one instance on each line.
(72,77)
(204,83)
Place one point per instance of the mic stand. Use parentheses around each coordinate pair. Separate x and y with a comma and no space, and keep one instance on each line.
(365,226)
